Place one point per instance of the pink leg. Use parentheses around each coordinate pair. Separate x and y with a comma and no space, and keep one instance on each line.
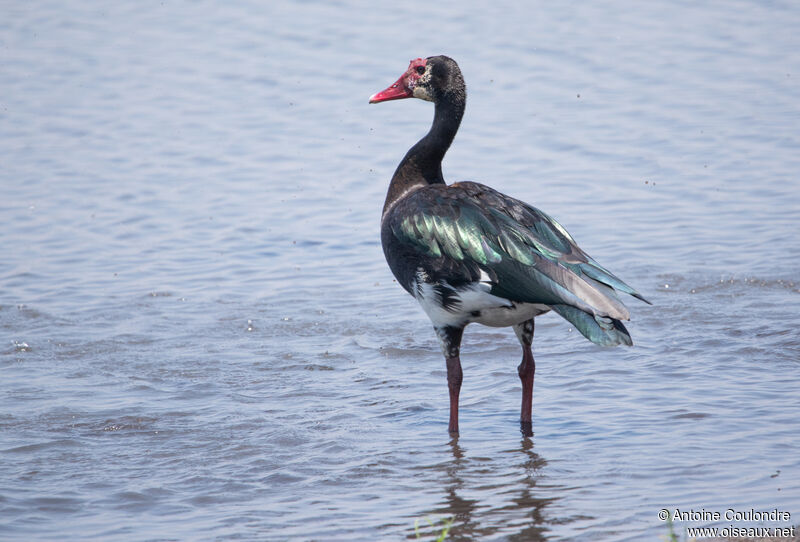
(454,378)
(526,371)
(450,338)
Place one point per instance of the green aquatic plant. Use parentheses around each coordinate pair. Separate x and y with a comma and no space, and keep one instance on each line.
(670,536)
(447,524)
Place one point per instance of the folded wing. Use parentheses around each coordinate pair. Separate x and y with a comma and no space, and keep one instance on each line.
(470,230)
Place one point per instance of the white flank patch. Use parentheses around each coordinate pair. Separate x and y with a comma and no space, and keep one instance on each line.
(470,299)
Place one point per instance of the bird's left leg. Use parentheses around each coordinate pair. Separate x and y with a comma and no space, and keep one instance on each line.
(524,331)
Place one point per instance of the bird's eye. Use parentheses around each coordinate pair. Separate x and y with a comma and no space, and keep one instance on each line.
(420,70)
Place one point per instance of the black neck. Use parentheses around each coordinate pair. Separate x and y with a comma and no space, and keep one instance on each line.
(422,164)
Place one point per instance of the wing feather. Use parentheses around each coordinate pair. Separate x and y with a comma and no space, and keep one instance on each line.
(530,257)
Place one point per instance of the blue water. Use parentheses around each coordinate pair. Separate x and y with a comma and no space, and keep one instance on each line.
(199,336)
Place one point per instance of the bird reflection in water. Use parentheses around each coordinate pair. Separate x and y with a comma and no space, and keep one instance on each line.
(519,500)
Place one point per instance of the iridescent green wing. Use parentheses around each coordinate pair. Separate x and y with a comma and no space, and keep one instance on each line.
(525,257)
(549,237)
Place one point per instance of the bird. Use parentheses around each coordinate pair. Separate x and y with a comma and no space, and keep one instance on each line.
(470,254)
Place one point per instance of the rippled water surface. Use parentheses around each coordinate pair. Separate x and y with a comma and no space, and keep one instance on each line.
(199,336)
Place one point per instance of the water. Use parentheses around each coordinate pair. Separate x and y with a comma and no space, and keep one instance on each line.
(200,339)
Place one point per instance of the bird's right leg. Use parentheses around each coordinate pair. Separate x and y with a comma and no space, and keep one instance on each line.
(450,338)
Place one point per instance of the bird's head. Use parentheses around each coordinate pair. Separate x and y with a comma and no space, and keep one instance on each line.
(426,78)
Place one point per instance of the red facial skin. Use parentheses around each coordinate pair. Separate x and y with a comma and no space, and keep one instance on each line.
(404,87)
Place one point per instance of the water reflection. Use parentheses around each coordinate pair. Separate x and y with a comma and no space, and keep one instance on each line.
(515,482)
(172,173)
(534,529)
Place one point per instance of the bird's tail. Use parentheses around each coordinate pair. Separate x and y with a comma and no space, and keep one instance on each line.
(598,329)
